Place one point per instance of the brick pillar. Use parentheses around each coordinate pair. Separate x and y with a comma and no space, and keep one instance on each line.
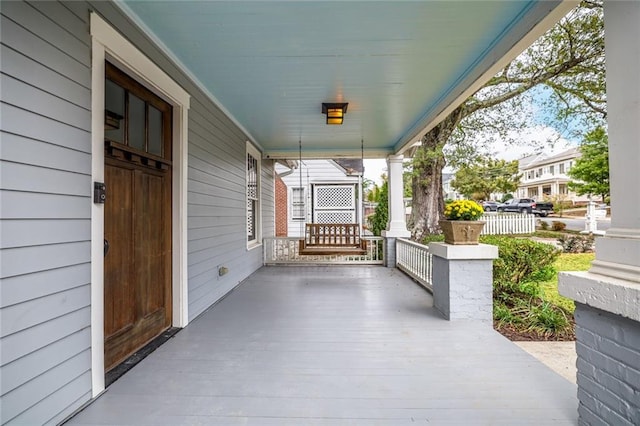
(463,281)
(281,200)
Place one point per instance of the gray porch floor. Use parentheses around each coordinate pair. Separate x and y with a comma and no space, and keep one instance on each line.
(334,346)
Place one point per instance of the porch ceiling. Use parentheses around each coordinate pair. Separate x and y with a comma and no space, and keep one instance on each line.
(271,64)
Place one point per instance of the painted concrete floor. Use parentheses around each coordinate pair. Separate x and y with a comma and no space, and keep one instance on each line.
(334,346)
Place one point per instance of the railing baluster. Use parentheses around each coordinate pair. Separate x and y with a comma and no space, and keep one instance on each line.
(283,250)
(415,260)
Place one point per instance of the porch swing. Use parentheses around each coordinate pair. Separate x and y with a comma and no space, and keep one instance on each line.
(331,238)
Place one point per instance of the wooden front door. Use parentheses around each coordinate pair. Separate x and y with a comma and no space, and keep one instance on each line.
(137,263)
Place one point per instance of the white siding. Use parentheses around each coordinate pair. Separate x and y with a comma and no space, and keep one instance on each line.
(313,172)
(45,175)
(45,204)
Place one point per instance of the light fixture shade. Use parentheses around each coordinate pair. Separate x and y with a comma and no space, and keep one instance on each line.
(335,112)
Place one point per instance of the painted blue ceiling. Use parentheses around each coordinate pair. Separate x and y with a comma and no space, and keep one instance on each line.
(271,64)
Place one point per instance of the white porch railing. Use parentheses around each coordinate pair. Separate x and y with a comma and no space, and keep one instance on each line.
(283,250)
(415,260)
(508,223)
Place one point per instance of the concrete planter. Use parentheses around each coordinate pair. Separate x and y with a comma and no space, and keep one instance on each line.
(461,232)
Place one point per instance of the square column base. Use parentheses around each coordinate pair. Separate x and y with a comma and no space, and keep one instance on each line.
(390,237)
(608,345)
(463,281)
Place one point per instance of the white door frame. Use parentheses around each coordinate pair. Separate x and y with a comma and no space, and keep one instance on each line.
(107,43)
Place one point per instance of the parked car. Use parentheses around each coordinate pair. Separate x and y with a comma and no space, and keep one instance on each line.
(490,206)
(527,205)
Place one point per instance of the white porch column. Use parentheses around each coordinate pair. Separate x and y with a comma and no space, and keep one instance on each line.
(608,296)
(397,225)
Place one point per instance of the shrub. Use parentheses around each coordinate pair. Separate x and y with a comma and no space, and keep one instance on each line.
(520,259)
(577,243)
(544,225)
(378,220)
(558,226)
(432,238)
(548,319)
(517,294)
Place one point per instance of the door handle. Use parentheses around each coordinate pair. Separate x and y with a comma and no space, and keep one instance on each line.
(106,247)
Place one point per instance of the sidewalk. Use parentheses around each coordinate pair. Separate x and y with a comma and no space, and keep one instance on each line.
(559,356)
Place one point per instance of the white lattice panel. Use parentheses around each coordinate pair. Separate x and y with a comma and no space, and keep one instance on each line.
(335,216)
(335,197)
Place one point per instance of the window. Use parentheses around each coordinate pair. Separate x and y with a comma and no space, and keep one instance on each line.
(561,168)
(552,170)
(137,122)
(562,189)
(297,204)
(253,195)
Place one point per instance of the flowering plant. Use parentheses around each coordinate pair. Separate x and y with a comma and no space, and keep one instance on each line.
(463,210)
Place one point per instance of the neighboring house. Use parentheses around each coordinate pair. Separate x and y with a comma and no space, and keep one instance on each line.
(448,191)
(546,178)
(281,206)
(319,191)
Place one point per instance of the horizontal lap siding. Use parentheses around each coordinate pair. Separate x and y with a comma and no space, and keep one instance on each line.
(217,207)
(45,207)
(45,203)
(313,171)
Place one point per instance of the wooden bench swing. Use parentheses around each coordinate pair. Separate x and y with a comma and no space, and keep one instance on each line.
(332,238)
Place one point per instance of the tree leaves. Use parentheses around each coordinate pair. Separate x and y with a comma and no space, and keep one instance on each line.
(591,171)
(568,61)
(485,177)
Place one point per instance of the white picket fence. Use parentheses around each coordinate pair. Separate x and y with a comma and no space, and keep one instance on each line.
(508,223)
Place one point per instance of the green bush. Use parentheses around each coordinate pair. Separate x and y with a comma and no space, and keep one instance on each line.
(544,225)
(549,319)
(558,226)
(577,243)
(432,238)
(518,297)
(520,259)
(378,220)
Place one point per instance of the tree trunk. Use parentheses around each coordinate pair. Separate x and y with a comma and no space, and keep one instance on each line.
(426,183)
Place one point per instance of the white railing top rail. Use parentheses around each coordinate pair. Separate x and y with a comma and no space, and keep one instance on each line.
(412,243)
(286,250)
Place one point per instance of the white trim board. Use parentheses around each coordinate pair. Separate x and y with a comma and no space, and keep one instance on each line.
(107,43)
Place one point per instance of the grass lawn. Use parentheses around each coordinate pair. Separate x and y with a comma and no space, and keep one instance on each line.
(566,262)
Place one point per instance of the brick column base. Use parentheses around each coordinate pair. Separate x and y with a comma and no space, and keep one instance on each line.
(462,281)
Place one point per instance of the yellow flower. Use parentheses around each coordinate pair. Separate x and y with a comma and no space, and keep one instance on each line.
(463,210)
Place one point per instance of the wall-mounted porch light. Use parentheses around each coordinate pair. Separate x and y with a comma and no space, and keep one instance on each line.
(335,112)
